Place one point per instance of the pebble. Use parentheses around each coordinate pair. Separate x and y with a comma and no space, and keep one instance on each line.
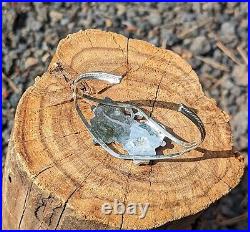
(35,25)
(169,37)
(241,128)
(55,16)
(240,74)
(31,61)
(64,21)
(228,83)
(228,29)
(45,57)
(42,13)
(121,9)
(14,98)
(200,46)
(154,18)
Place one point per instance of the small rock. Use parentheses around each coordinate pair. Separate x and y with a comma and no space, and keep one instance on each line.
(187,42)
(31,61)
(244,23)
(154,18)
(237,91)
(208,6)
(217,73)
(187,17)
(33,25)
(200,45)
(243,142)
(5,93)
(64,21)
(154,41)
(195,63)
(217,55)
(228,83)
(41,13)
(242,100)
(55,16)
(206,68)
(169,37)
(130,13)
(121,9)
(71,26)
(232,109)
(215,92)
(228,32)
(228,28)
(239,122)
(240,74)
(38,53)
(14,98)
(108,22)
(130,27)
(45,57)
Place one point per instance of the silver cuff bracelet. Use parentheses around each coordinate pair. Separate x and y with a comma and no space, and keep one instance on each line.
(130,126)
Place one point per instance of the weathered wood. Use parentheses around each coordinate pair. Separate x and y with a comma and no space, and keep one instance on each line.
(55,177)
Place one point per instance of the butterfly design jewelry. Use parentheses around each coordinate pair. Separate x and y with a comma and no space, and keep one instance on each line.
(130,126)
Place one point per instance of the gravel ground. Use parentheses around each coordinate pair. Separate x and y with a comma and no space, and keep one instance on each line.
(212,37)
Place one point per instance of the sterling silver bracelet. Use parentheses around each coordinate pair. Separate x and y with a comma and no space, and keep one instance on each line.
(129,125)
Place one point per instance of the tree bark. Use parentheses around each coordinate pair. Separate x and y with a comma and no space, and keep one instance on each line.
(56,178)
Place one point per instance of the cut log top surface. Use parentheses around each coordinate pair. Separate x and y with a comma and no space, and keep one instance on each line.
(53,148)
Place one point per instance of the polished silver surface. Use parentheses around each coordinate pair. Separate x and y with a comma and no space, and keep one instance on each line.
(129,126)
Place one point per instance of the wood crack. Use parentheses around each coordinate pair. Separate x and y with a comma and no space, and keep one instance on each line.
(147,60)
(28,193)
(124,200)
(51,165)
(25,204)
(156,96)
(75,190)
(114,39)
(149,178)
(60,103)
(127,47)
(219,179)
(55,135)
(43,170)
(124,53)
(89,39)
(42,204)
(157,90)
(30,189)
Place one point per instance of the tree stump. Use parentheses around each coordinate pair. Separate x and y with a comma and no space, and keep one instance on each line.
(56,178)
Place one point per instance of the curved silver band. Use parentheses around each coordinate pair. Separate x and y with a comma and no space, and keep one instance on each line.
(114,79)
